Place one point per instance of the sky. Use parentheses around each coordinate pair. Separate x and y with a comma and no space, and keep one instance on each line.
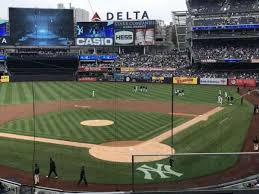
(156,9)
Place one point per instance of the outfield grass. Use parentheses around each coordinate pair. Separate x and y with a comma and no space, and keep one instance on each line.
(17,93)
(66,125)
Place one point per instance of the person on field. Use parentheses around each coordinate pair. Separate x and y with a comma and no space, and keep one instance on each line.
(93,94)
(82,176)
(220,100)
(36,174)
(226,94)
(231,100)
(256,144)
(219,92)
(52,168)
(135,89)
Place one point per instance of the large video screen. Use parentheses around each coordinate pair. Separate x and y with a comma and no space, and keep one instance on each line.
(3,28)
(95,30)
(41,27)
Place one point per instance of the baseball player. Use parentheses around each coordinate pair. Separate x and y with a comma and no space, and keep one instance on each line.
(219,92)
(226,94)
(36,174)
(93,94)
(256,144)
(82,176)
(52,168)
(219,99)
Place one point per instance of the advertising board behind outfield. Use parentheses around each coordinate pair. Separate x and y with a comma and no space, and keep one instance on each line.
(87,79)
(5,79)
(185,80)
(242,82)
(213,81)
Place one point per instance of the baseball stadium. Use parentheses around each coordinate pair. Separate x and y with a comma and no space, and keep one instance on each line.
(130,105)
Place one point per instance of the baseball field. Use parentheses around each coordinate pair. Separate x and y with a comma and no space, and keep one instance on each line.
(64,121)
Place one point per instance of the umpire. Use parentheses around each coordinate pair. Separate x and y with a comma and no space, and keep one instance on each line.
(82,176)
(52,168)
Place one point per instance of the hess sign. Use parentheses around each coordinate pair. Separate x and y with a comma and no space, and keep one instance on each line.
(124,37)
(135,15)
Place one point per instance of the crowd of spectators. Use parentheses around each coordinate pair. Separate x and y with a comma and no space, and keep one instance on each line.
(172,58)
(227,20)
(223,6)
(225,50)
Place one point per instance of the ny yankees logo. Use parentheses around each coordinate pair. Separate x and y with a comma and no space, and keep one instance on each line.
(159,170)
(80,30)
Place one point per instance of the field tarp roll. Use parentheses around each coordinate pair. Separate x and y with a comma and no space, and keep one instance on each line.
(214,81)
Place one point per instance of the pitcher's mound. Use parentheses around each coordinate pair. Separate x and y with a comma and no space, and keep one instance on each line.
(97,123)
(114,153)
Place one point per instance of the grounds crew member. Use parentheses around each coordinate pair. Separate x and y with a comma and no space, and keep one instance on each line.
(52,168)
(36,174)
(82,176)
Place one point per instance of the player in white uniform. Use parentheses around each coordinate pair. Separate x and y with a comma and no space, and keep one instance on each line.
(220,100)
(226,94)
(93,94)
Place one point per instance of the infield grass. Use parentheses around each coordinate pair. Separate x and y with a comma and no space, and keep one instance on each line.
(66,125)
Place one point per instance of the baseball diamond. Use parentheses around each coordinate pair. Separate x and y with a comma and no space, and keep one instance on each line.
(149,100)
(138,118)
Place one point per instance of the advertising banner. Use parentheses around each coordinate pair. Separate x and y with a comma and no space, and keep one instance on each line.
(124,37)
(135,24)
(185,80)
(2,57)
(95,34)
(93,69)
(5,79)
(3,28)
(145,37)
(209,61)
(87,79)
(242,82)
(150,69)
(214,81)
(254,60)
(94,41)
(158,79)
(128,69)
